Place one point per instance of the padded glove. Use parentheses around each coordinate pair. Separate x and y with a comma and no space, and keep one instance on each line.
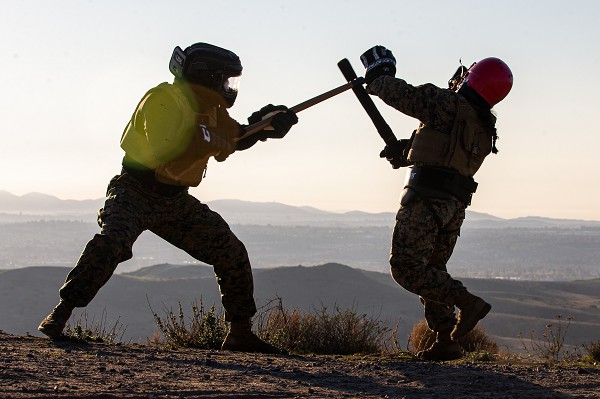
(395,153)
(259,115)
(282,122)
(378,61)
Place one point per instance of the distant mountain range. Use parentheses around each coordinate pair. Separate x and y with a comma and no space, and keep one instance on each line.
(28,294)
(37,229)
(37,203)
(36,206)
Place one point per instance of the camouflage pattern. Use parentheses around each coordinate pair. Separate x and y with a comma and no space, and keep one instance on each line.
(428,103)
(424,236)
(426,229)
(183,221)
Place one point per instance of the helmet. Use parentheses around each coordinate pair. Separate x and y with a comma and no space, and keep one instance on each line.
(491,78)
(209,66)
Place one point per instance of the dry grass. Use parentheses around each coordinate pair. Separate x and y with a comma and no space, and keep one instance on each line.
(205,329)
(593,351)
(421,338)
(95,330)
(550,346)
(340,331)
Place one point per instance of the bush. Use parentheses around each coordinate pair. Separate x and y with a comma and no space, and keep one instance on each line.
(341,332)
(95,330)
(421,338)
(593,351)
(324,332)
(206,329)
(551,345)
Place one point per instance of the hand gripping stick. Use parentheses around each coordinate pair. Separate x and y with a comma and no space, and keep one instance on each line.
(256,127)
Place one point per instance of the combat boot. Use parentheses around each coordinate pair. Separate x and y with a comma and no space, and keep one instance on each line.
(240,338)
(444,348)
(53,325)
(471,310)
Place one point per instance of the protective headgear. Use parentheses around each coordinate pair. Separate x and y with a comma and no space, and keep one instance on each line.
(491,78)
(209,66)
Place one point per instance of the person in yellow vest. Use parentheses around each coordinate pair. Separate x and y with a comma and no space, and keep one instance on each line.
(456,132)
(173,132)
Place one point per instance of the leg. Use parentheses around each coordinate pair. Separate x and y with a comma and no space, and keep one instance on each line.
(440,316)
(119,222)
(203,234)
(424,238)
(418,252)
(414,242)
(94,268)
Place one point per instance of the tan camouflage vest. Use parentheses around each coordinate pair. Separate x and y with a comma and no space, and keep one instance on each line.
(188,166)
(464,149)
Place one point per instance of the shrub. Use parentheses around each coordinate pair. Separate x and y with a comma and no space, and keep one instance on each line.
(206,329)
(421,338)
(341,332)
(593,351)
(95,330)
(551,345)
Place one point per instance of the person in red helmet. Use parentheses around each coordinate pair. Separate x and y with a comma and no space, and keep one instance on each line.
(456,132)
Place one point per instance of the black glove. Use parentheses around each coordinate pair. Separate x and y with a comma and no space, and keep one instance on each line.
(395,153)
(378,61)
(282,121)
(257,116)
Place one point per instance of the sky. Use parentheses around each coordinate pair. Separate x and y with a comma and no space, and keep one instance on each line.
(74,71)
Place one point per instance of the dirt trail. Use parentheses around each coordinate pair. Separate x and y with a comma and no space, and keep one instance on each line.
(33,367)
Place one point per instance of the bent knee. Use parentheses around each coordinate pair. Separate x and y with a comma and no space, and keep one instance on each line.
(112,245)
(398,271)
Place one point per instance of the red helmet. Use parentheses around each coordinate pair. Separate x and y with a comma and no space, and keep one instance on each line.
(491,78)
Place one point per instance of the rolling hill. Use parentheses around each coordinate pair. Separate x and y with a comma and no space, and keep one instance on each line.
(28,294)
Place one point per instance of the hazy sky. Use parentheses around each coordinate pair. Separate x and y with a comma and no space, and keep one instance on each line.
(73,72)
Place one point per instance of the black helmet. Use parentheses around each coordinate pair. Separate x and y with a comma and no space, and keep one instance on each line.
(209,66)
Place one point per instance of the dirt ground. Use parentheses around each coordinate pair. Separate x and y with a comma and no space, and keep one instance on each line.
(33,367)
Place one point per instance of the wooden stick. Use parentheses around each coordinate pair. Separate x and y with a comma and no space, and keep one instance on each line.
(256,127)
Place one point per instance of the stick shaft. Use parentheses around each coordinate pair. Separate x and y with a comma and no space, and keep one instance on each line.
(365,100)
(256,127)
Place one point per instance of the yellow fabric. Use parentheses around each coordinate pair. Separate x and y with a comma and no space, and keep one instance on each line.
(163,135)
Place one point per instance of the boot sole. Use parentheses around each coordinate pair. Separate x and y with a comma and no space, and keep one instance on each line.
(452,351)
(450,356)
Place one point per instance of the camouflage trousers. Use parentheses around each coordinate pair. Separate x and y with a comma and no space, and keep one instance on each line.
(183,221)
(424,237)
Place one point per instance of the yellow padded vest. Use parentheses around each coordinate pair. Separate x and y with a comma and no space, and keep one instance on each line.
(163,135)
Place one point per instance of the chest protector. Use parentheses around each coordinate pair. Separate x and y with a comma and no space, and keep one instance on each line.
(185,163)
(462,149)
